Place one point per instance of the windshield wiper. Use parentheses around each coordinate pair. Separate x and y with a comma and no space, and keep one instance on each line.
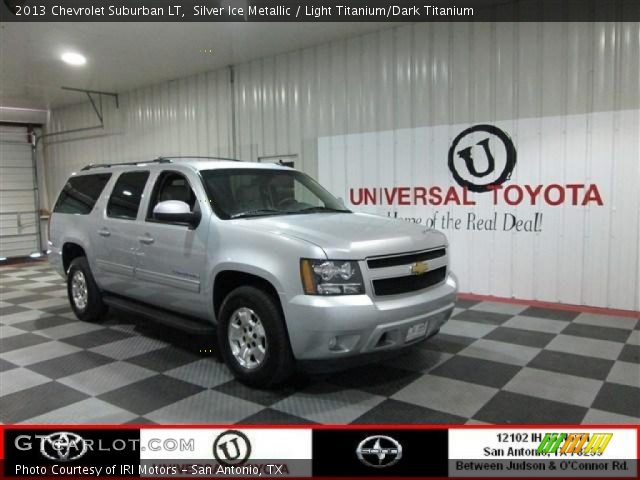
(321,209)
(256,213)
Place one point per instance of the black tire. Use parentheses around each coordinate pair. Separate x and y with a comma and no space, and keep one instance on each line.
(95,309)
(278,364)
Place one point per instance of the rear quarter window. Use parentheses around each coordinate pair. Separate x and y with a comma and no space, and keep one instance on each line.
(80,194)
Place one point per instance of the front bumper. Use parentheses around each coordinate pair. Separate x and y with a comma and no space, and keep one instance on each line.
(333,327)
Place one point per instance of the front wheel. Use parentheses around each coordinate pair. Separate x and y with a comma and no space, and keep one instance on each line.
(253,338)
(84,295)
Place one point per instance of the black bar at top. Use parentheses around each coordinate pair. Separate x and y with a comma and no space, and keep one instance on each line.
(319,10)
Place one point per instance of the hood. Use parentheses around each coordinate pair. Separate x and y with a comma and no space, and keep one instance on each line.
(352,236)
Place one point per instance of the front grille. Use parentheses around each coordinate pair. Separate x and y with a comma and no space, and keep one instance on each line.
(406,259)
(410,283)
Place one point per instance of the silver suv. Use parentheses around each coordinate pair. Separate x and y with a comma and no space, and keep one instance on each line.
(261,253)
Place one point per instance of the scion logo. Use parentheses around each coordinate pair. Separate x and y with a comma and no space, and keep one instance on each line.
(379,451)
(232,447)
(482,157)
(63,446)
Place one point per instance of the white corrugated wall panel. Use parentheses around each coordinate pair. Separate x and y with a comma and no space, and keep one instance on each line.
(188,116)
(582,78)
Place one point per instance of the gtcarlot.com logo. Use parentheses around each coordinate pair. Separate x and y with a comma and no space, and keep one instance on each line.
(169,445)
(68,446)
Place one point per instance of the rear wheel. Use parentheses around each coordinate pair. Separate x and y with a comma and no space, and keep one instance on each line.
(253,338)
(84,295)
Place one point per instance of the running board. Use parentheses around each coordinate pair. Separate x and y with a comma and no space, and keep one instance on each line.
(175,320)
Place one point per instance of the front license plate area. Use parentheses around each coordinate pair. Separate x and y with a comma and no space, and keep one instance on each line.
(416,331)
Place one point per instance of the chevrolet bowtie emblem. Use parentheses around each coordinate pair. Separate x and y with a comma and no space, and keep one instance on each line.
(419,268)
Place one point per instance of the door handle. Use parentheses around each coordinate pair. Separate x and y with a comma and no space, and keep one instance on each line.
(146,240)
(104,232)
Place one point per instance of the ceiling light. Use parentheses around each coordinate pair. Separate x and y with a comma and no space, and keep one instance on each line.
(73,58)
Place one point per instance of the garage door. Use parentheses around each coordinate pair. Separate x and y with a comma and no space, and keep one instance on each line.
(18,212)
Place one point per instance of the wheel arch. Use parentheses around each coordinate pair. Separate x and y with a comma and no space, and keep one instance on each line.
(70,251)
(228,279)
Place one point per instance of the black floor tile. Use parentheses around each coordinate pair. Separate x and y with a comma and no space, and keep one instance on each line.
(70,364)
(488,318)
(418,359)
(21,341)
(518,336)
(598,333)
(34,276)
(150,394)
(447,343)
(42,323)
(373,379)
(578,365)
(4,311)
(269,416)
(97,338)
(26,299)
(45,288)
(263,397)
(25,404)
(4,366)
(164,359)
(622,399)
(140,421)
(508,407)
(630,353)
(565,315)
(475,370)
(460,303)
(394,411)
(14,283)
(57,309)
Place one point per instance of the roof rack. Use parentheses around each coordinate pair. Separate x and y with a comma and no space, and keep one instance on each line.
(157,160)
(108,165)
(179,157)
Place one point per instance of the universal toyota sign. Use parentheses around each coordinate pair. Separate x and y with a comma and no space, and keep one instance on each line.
(530,206)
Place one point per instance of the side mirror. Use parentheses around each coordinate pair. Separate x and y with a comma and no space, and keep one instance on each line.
(176,211)
(341,200)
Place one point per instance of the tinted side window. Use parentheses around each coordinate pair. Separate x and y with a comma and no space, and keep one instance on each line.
(126,195)
(80,194)
(171,186)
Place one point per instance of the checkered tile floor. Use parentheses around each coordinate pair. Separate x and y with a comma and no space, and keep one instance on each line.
(492,362)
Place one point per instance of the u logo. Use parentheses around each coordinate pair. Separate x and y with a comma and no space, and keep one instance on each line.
(465,154)
(499,164)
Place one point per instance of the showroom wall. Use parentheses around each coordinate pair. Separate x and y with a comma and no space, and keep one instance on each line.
(577,85)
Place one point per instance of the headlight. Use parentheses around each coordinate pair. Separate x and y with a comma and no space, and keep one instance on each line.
(331,277)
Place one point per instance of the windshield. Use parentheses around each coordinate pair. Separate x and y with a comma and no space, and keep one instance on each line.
(242,193)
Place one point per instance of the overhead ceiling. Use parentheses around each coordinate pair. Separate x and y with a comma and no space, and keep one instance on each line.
(123,56)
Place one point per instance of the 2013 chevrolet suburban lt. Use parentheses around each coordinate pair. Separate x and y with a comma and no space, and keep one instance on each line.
(260,253)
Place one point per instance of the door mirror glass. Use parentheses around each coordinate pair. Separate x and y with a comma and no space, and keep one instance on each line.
(176,211)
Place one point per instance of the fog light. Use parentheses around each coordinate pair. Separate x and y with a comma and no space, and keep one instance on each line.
(343,343)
